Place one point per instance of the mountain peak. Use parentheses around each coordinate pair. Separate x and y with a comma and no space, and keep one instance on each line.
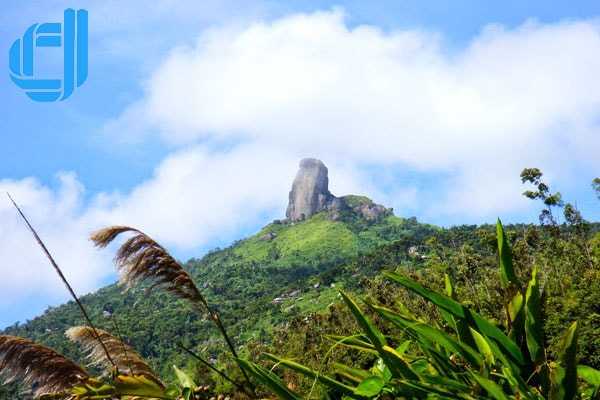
(310,190)
(310,195)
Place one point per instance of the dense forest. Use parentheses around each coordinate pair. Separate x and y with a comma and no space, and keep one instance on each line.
(287,291)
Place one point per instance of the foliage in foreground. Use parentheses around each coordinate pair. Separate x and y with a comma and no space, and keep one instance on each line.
(474,360)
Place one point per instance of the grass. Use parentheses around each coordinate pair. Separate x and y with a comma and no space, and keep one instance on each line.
(316,238)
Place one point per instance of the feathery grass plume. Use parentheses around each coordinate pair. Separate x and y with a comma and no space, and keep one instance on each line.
(141,259)
(32,364)
(126,358)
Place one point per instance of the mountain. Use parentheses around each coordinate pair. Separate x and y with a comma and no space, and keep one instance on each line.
(277,290)
(289,267)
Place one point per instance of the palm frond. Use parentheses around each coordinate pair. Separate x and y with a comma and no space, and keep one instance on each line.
(37,366)
(125,357)
(141,259)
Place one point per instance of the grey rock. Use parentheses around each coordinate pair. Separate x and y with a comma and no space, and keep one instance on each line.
(310,195)
(310,190)
(268,236)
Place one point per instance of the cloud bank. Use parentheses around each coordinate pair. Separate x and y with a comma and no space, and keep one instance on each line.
(245,103)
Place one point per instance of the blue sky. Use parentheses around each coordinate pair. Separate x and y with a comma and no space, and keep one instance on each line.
(194,116)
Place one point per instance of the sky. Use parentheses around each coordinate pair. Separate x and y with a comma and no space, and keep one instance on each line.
(195,115)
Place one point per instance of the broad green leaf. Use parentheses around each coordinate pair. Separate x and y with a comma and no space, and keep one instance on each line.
(491,387)
(534,329)
(475,320)
(184,379)
(564,376)
(431,334)
(516,315)
(448,286)
(394,360)
(589,374)
(382,370)
(370,387)
(507,272)
(403,347)
(396,363)
(269,379)
(484,348)
(138,385)
(324,379)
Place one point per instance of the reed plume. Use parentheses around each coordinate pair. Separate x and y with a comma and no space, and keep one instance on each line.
(141,259)
(37,366)
(124,356)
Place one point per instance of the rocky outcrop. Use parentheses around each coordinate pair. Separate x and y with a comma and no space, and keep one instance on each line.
(310,195)
(310,190)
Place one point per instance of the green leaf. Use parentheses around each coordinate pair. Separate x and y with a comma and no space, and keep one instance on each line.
(398,366)
(269,379)
(354,374)
(516,314)
(507,272)
(475,320)
(187,393)
(534,331)
(564,376)
(311,374)
(184,379)
(403,347)
(138,385)
(382,370)
(431,334)
(484,348)
(353,342)
(370,387)
(491,387)
(589,374)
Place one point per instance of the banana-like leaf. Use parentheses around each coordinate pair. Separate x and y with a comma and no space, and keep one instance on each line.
(564,375)
(138,385)
(398,366)
(184,379)
(534,329)
(491,387)
(589,374)
(324,379)
(424,331)
(507,272)
(474,320)
(516,315)
(370,387)
(269,379)
(484,348)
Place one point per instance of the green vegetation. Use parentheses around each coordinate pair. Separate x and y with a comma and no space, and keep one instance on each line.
(461,356)
(278,292)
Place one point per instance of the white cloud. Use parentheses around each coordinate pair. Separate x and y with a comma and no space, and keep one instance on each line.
(309,84)
(196,197)
(56,214)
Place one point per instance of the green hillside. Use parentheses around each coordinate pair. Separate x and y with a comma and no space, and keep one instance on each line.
(257,283)
(278,290)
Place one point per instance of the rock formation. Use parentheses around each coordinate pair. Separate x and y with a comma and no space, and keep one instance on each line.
(310,195)
(310,190)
